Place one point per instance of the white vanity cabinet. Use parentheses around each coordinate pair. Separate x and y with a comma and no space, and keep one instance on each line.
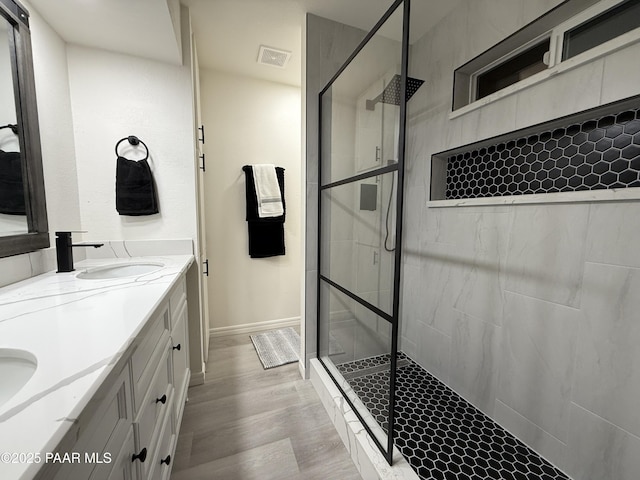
(132,429)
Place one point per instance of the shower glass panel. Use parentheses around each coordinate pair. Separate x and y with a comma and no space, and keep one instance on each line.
(359,345)
(358,217)
(360,210)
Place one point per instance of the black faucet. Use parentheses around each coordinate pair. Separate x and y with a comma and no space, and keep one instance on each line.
(64,251)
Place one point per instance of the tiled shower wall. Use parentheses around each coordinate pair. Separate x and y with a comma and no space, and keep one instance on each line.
(328,44)
(527,311)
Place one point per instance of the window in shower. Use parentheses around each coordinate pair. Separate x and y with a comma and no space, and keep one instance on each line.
(571,34)
(361,180)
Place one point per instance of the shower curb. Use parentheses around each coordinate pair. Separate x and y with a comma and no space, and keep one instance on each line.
(364,453)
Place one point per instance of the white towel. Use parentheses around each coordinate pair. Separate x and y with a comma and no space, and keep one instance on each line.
(267,191)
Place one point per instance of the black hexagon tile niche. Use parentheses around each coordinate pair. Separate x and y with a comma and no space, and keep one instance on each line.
(601,153)
(440,434)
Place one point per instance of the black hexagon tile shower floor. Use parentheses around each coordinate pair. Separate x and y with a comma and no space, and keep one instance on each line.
(440,434)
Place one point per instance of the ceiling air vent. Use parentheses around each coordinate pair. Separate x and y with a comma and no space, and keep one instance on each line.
(273,57)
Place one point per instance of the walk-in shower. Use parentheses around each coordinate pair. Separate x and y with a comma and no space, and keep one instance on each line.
(362,173)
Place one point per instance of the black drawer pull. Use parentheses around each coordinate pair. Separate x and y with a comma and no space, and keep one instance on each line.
(162,399)
(177,347)
(166,460)
(142,456)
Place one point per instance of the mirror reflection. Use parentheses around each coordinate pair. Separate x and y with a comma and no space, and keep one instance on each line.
(13,219)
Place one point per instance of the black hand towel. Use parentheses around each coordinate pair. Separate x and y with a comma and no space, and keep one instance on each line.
(135,188)
(266,235)
(11,187)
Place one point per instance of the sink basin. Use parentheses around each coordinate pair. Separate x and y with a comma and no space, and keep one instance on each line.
(16,368)
(119,271)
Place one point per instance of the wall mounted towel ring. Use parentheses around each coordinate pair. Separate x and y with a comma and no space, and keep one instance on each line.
(133,140)
(14,128)
(135,187)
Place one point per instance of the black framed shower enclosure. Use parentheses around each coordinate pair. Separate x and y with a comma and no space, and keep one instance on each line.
(360,202)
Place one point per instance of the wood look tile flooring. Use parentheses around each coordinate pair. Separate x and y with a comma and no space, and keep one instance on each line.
(247,423)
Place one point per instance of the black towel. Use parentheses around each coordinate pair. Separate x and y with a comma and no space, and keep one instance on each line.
(135,188)
(11,187)
(266,235)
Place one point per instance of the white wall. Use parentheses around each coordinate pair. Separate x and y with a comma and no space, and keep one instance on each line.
(58,155)
(249,121)
(113,96)
(529,312)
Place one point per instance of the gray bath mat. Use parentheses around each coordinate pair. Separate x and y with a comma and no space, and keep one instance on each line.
(277,347)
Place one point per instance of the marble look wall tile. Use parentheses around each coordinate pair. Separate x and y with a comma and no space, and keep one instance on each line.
(611,227)
(481,290)
(489,121)
(491,21)
(311,227)
(533,10)
(446,50)
(532,435)
(310,314)
(410,311)
(437,226)
(339,216)
(433,352)
(616,86)
(430,292)
(412,224)
(558,96)
(599,449)
(607,380)
(328,44)
(409,347)
(482,237)
(473,229)
(339,258)
(537,361)
(546,252)
(473,372)
(416,161)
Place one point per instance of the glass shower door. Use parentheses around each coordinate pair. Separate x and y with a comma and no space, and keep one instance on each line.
(361,173)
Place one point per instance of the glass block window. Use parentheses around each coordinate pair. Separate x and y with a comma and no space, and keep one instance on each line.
(594,154)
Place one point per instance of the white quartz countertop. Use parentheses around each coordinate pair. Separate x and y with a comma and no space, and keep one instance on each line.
(77,329)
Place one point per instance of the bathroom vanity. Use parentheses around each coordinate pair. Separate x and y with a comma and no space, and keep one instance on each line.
(102,370)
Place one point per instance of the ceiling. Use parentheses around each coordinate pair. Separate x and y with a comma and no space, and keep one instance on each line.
(228,32)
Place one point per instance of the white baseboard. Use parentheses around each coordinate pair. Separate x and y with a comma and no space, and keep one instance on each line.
(196,379)
(254,327)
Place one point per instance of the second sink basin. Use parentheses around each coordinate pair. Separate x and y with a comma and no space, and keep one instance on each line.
(16,368)
(119,271)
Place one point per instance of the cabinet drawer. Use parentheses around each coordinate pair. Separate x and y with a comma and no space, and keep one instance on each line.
(122,466)
(180,357)
(154,407)
(142,364)
(163,461)
(103,435)
(176,298)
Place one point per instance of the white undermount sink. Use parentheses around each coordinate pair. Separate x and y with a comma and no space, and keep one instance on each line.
(16,368)
(119,271)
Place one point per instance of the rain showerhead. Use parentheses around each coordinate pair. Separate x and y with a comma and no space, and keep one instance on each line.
(391,93)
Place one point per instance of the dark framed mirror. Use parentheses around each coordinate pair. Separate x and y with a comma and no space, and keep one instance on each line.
(23,213)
